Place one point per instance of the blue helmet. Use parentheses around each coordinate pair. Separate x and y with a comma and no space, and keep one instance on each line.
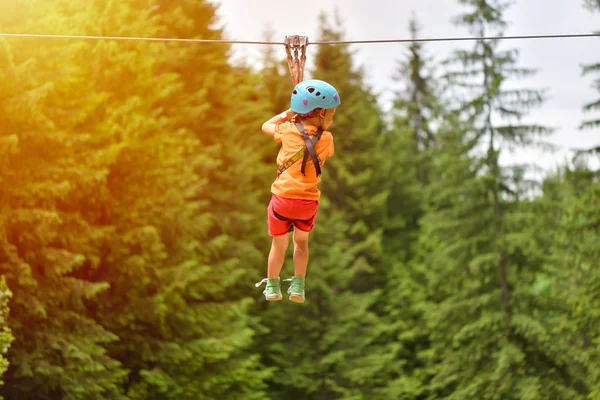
(313,93)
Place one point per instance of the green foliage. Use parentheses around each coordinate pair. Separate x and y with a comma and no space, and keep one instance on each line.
(409,145)
(276,82)
(134,181)
(118,221)
(571,273)
(490,336)
(50,227)
(592,5)
(355,180)
(355,194)
(594,105)
(6,337)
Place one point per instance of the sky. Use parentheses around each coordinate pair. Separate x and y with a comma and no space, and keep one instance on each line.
(558,61)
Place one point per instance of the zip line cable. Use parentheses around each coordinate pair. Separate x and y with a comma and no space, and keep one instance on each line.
(294,43)
(448,39)
(167,39)
(130,38)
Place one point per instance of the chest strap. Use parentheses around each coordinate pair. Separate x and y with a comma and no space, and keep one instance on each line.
(307,149)
(310,148)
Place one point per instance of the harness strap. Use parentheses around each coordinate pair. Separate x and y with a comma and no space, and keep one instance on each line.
(308,141)
(289,162)
(282,218)
(308,145)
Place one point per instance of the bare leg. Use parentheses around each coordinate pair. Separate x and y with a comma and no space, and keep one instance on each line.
(300,252)
(277,255)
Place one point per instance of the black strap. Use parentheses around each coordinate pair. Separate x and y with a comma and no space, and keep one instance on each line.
(282,218)
(309,143)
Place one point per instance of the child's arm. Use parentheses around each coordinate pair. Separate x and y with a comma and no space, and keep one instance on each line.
(269,126)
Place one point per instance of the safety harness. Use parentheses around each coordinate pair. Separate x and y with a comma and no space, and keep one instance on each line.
(305,151)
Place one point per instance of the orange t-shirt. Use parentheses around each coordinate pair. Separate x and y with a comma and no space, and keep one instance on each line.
(292,184)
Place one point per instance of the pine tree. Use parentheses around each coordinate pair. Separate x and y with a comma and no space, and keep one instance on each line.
(6,337)
(356,192)
(131,271)
(570,228)
(355,184)
(476,243)
(276,82)
(594,105)
(416,104)
(185,200)
(46,235)
(408,146)
(416,108)
(592,5)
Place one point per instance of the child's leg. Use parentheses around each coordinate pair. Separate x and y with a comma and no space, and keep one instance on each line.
(277,255)
(300,252)
(296,289)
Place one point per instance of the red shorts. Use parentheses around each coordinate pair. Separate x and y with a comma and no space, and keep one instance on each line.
(284,214)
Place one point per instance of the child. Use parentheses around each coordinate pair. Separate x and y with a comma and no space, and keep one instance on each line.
(305,145)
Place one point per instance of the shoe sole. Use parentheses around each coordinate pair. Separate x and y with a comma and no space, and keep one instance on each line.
(275,298)
(296,298)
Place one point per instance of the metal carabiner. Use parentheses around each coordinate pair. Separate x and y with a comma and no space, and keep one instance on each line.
(296,63)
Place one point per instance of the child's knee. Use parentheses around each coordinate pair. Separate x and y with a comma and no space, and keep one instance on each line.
(301,241)
(281,242)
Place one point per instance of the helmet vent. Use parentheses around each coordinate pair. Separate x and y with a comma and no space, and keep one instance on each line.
(311,89)
(318,93)
(323,97)
(295,91)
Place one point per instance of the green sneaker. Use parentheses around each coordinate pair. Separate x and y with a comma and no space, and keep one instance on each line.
(273,290)
(296,289)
